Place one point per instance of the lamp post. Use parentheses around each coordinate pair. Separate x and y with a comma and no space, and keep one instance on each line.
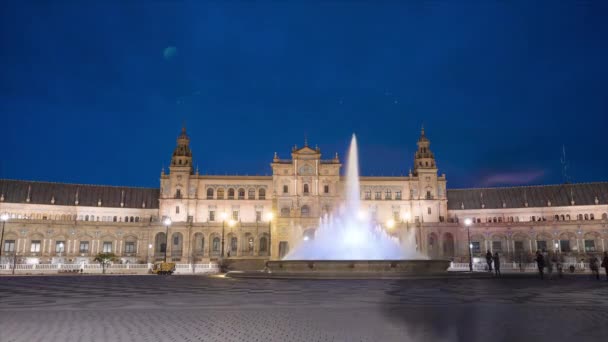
(4,218)
(223,217)
(269,217)
(167,223)
(390,224)
(467,222)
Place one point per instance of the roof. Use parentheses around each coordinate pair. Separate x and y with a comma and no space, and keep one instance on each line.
(16,191)
(535,196)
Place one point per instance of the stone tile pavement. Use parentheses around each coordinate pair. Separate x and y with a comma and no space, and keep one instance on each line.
(197,308)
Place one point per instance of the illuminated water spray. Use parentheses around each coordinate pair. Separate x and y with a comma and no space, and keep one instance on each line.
(349,233)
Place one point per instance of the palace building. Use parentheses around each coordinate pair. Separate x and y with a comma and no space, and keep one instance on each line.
(262,217)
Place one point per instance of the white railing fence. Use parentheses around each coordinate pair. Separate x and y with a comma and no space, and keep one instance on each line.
(110,269)
(517,267)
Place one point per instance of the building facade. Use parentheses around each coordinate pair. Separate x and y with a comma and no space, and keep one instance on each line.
(266,216)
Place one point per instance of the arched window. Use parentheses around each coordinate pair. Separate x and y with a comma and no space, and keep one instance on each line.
(86,218)
(115,219)
(262,194)
(241,193)
(556,217)
(216,244)
(231,193)
(586,217)
(388,195)
(126,218)
(306,190)
(562,218)
(178,193)
(604,216)
(591,217)
(568,217)
(251,194)
(220,193)
(285,212)
(263,244)
(233,244)
(210,193)
(305,210)
(285,189)
(250,244)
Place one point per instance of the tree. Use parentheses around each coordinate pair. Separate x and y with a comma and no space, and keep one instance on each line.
(105,259)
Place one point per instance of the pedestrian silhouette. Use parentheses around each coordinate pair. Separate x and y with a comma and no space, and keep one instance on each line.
(489,260)
(548,264)
(605,264)
(540,263)
(593,265)
(497,264)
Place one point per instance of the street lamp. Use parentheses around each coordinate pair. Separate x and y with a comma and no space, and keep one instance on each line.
(223,216)
(4,218)
(467,222)
(390,224)
(167,223)
(269,217)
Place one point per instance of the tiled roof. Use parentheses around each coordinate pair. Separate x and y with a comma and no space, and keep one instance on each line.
(16,191)
(535,196)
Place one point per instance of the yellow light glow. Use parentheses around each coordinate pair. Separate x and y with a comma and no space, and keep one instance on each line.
(407,216)
(167,221)
(468,222)
(269,216)
(362,215)
(390,224)
(223,216)
(231,223)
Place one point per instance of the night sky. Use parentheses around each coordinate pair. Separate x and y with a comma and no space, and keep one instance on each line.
(97,93)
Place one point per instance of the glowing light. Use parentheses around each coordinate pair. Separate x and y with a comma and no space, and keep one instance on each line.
(4,217)
(468,222)
(269,216)
(305,238)
(471,246)
(223,216)
(150,246)
(390,224)
(362,215)
(231,223)
(167,221)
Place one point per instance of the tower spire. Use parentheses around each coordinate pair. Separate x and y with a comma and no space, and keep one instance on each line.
(424,157)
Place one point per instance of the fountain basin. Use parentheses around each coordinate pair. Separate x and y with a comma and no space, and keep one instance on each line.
(348,269)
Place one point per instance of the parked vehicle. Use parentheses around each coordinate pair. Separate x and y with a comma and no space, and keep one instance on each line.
(163,268)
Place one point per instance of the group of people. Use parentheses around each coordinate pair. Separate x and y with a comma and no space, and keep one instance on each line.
(547,261)
(493,258)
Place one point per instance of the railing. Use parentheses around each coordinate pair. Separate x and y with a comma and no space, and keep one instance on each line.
(517,267)
(97,268)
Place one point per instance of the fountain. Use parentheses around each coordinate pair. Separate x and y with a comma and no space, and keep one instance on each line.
(350,233)
(349,244)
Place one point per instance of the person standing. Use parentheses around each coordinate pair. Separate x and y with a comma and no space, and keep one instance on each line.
(595,271)
(559,265)
(497,264)
(549,264)
(489,260)
(605,264)
(540,263)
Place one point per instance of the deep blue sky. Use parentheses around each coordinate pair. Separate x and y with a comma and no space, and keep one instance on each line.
(87,96)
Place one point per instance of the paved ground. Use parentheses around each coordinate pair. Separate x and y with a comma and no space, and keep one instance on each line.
(196,308)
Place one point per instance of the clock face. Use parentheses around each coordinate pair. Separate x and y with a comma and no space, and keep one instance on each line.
(306,170)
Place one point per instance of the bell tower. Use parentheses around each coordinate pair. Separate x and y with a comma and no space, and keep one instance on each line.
(424,160)
(181,161)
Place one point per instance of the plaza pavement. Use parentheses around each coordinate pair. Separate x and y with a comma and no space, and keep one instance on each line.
(200,308)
